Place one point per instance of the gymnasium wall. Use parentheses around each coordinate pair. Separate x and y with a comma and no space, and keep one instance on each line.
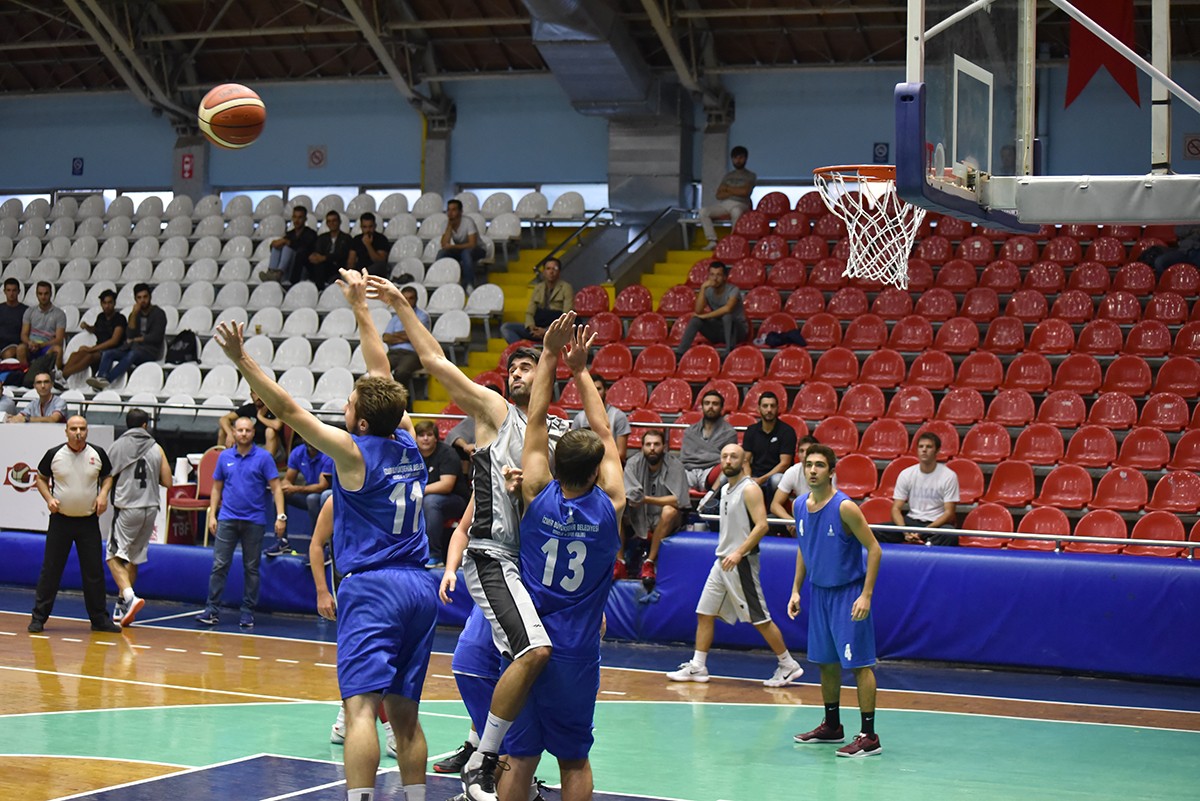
(524,131)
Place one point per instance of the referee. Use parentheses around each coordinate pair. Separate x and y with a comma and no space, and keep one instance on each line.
(74,478)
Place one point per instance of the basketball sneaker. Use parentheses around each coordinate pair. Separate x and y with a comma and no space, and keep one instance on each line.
(246,622)
(649,575)
(337,734)
(785,675)
(620,572)
(479,783)
(129,611)
(864,745)
(391,741)
(822,734)
(107,625)
(208,617)
(118,610)
(280,548)
(456,761)
(689,672)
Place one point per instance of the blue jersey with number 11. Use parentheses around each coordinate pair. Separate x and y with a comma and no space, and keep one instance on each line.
(382,524)
(568,547)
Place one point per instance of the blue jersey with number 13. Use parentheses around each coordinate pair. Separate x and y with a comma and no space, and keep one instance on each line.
(568,547)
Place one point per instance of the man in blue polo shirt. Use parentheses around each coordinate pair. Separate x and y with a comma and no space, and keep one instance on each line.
(304,486)
(245,482)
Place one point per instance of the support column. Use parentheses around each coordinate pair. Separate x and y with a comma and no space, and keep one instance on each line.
(650,157)
(189,168)
(435,172)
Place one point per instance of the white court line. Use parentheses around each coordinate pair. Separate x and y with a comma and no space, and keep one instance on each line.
(203,690)
(9,633)
(211,653)
(306,791)
(169,617)
(88,793)
(99,759)
(176,650)
(157,707)
(440,676)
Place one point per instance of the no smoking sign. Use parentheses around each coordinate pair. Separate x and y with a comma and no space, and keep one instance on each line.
(1191,146)
(317,156)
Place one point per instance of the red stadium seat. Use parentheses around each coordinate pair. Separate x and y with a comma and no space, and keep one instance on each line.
(791,365)
(1091,277)
(1092,446)
(1099,523)
(633,300)
(816,400)
(856,475)
(1029,371)
(1183,279)
(1011,484)
(1181,375)
(627,394)
(920,275)
(1020,250)
(590,301)
(837,367)
(1001,275)
(444,424)
(877,510)
(612,361)
(1121,490)
(655,363)
(770,249)
(494,379)
(830,226)
(961,406)
(1100,338)
(811,249)
(911,334)
(953,227)
(761,302)
(786,273)
(981,370)
(1144,449)
(750,402)
(777,323)
(1039,443)
(1027,305)
(1187,452)
(1156,526)
(970,479)
(688,418)
(1150,338)
(805,302)
(636,431)
(1128,374)
(677,300)
(744,364)
(1083,232)
(862,403)
(1178,491)
(670,396)
(798,425)
(821,331)
(884,439)
(932,369)
(647,329)
(699,364)
(978,250)
(1134,277)
(792,225)
(570,396)
(946,432)
(698,274)
(957,275)
(732,248)
(892,303)
(913,404)
(1122,308)
(936,305)
(865,332)
(1005,335)
(1187,341)
(747,273)
(774,205)
(1062,250)
(935,249)
(988,443)
(1046,520)
(827,274)
(1113,410)
(1165,411)
(838,433)
(887,481)
(1073,306)
(607,327)
(812,204)
(885,368)
(1011,407)
(725,388)
(1078,372)
(987,517)
(1107,250)
(1053,336)
(1167,307)
(1062,408)
(675,336)
(1146,242)
(1067,486)
(847,303)
(1045,277)
(752,224)
(957,335)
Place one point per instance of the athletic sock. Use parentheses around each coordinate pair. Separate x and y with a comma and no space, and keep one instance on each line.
(700,658)
(361,794)
(868,723)
(414,792)
(127,594)
(473,738)
(833,715)
(493,734)
(785,658)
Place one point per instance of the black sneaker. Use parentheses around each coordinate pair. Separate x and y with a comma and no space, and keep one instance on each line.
(246,622)
(480,783)
(456,761)
(208,618)
(106,626)
(279,549)
(36,626)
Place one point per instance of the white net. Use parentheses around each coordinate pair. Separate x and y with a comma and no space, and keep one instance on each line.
(881,227)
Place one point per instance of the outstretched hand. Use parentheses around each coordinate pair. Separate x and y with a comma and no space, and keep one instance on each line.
(230,336)
(513,477)
(353,284)
(558,334)
(380,288)
(576,356)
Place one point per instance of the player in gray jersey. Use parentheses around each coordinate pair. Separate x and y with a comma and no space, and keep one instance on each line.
(139,468)
(733,590)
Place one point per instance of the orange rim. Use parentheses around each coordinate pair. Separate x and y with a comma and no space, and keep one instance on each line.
(860,172)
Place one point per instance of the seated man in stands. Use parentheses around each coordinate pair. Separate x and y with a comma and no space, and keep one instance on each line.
(12,317)
(43,329)
(618,421)
(931,491)
(268,429)
(794,484)
(109,330)
(46,407)
(656,490)
(446,490)
(331,252)
(370,249)
(733,196)
(704,439)
(144,340)
(460,241)
(770,444)
(550,299)
(402,358)
(289,253)
(304,484)
(718,314)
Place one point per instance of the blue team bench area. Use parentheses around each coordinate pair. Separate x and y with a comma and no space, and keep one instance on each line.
(1086,613)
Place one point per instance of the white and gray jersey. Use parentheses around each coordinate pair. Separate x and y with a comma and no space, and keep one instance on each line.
(735,518)
(496,525)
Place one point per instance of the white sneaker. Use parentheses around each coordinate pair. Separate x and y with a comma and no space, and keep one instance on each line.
(785,675)
(689,672)
(130,610)
(711,245)
(391,741)
(337,735)
(118,610)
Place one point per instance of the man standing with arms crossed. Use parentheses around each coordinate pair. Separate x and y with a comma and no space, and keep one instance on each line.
(833,535)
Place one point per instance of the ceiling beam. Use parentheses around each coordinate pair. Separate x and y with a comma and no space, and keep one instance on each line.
(114,59)
(326,29)
(386,61)
(659,22)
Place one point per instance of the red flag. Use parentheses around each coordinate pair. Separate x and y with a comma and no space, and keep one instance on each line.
(1089,53)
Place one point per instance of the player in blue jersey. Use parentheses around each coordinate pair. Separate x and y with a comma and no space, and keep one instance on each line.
(569,543)
(386,601)
(840,556)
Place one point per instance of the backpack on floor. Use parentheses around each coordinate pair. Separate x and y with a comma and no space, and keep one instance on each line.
(185,347)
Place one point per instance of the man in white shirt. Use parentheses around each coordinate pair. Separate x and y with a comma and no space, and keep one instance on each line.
(460,241)
(931,491)
(794,484)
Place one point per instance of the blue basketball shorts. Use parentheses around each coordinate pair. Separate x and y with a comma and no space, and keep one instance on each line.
(559,714)
(832,636)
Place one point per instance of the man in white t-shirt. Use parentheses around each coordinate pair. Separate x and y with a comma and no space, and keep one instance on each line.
(931,491)
(794,484)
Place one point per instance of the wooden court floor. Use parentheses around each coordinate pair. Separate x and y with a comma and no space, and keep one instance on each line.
(123,716)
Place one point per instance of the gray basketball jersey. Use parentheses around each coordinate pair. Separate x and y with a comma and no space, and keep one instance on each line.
(137,485)
(735,518)
(497,522)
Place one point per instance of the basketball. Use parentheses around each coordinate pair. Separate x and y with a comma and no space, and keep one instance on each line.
(231,116)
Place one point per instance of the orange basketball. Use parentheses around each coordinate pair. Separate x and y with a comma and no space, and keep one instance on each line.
(231,116)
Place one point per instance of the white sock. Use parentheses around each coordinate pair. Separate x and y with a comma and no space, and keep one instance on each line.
(361,794)
(700,658)
(127,594)
(473,738)
(414,792)
(493,734)
(785,658)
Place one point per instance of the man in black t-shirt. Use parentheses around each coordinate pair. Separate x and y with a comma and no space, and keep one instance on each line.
(446,491)
(771,445)
(369,250)
(289,253)
(109,330)
(12,316)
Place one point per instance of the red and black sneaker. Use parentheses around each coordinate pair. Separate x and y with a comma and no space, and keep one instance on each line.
(822,734)
(619,571)
(864,745)
(649,576)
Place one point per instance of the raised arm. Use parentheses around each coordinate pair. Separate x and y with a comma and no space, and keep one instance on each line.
(354,287)
(612,475)
(535,461)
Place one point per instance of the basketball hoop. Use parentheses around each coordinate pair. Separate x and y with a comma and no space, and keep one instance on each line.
(881,226)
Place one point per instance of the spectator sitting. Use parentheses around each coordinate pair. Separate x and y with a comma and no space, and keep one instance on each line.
(462,438)
(289,253)
(446,490)
(303,485)
(268,429)
(402,358)
(460,241)
(617,420)
(550,299)
(43,330)
(794,484)
(656,492)
(12,319)
(1186,250)
(770,443)
(704,439)
(46,407)
(143,340)
(370,249)
(931,490)
(331,252)
(109,330)
(733,196)
(725,319)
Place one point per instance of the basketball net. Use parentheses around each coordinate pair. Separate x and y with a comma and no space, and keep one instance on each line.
(881,227)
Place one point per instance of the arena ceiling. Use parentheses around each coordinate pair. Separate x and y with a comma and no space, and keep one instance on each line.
(170,51)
